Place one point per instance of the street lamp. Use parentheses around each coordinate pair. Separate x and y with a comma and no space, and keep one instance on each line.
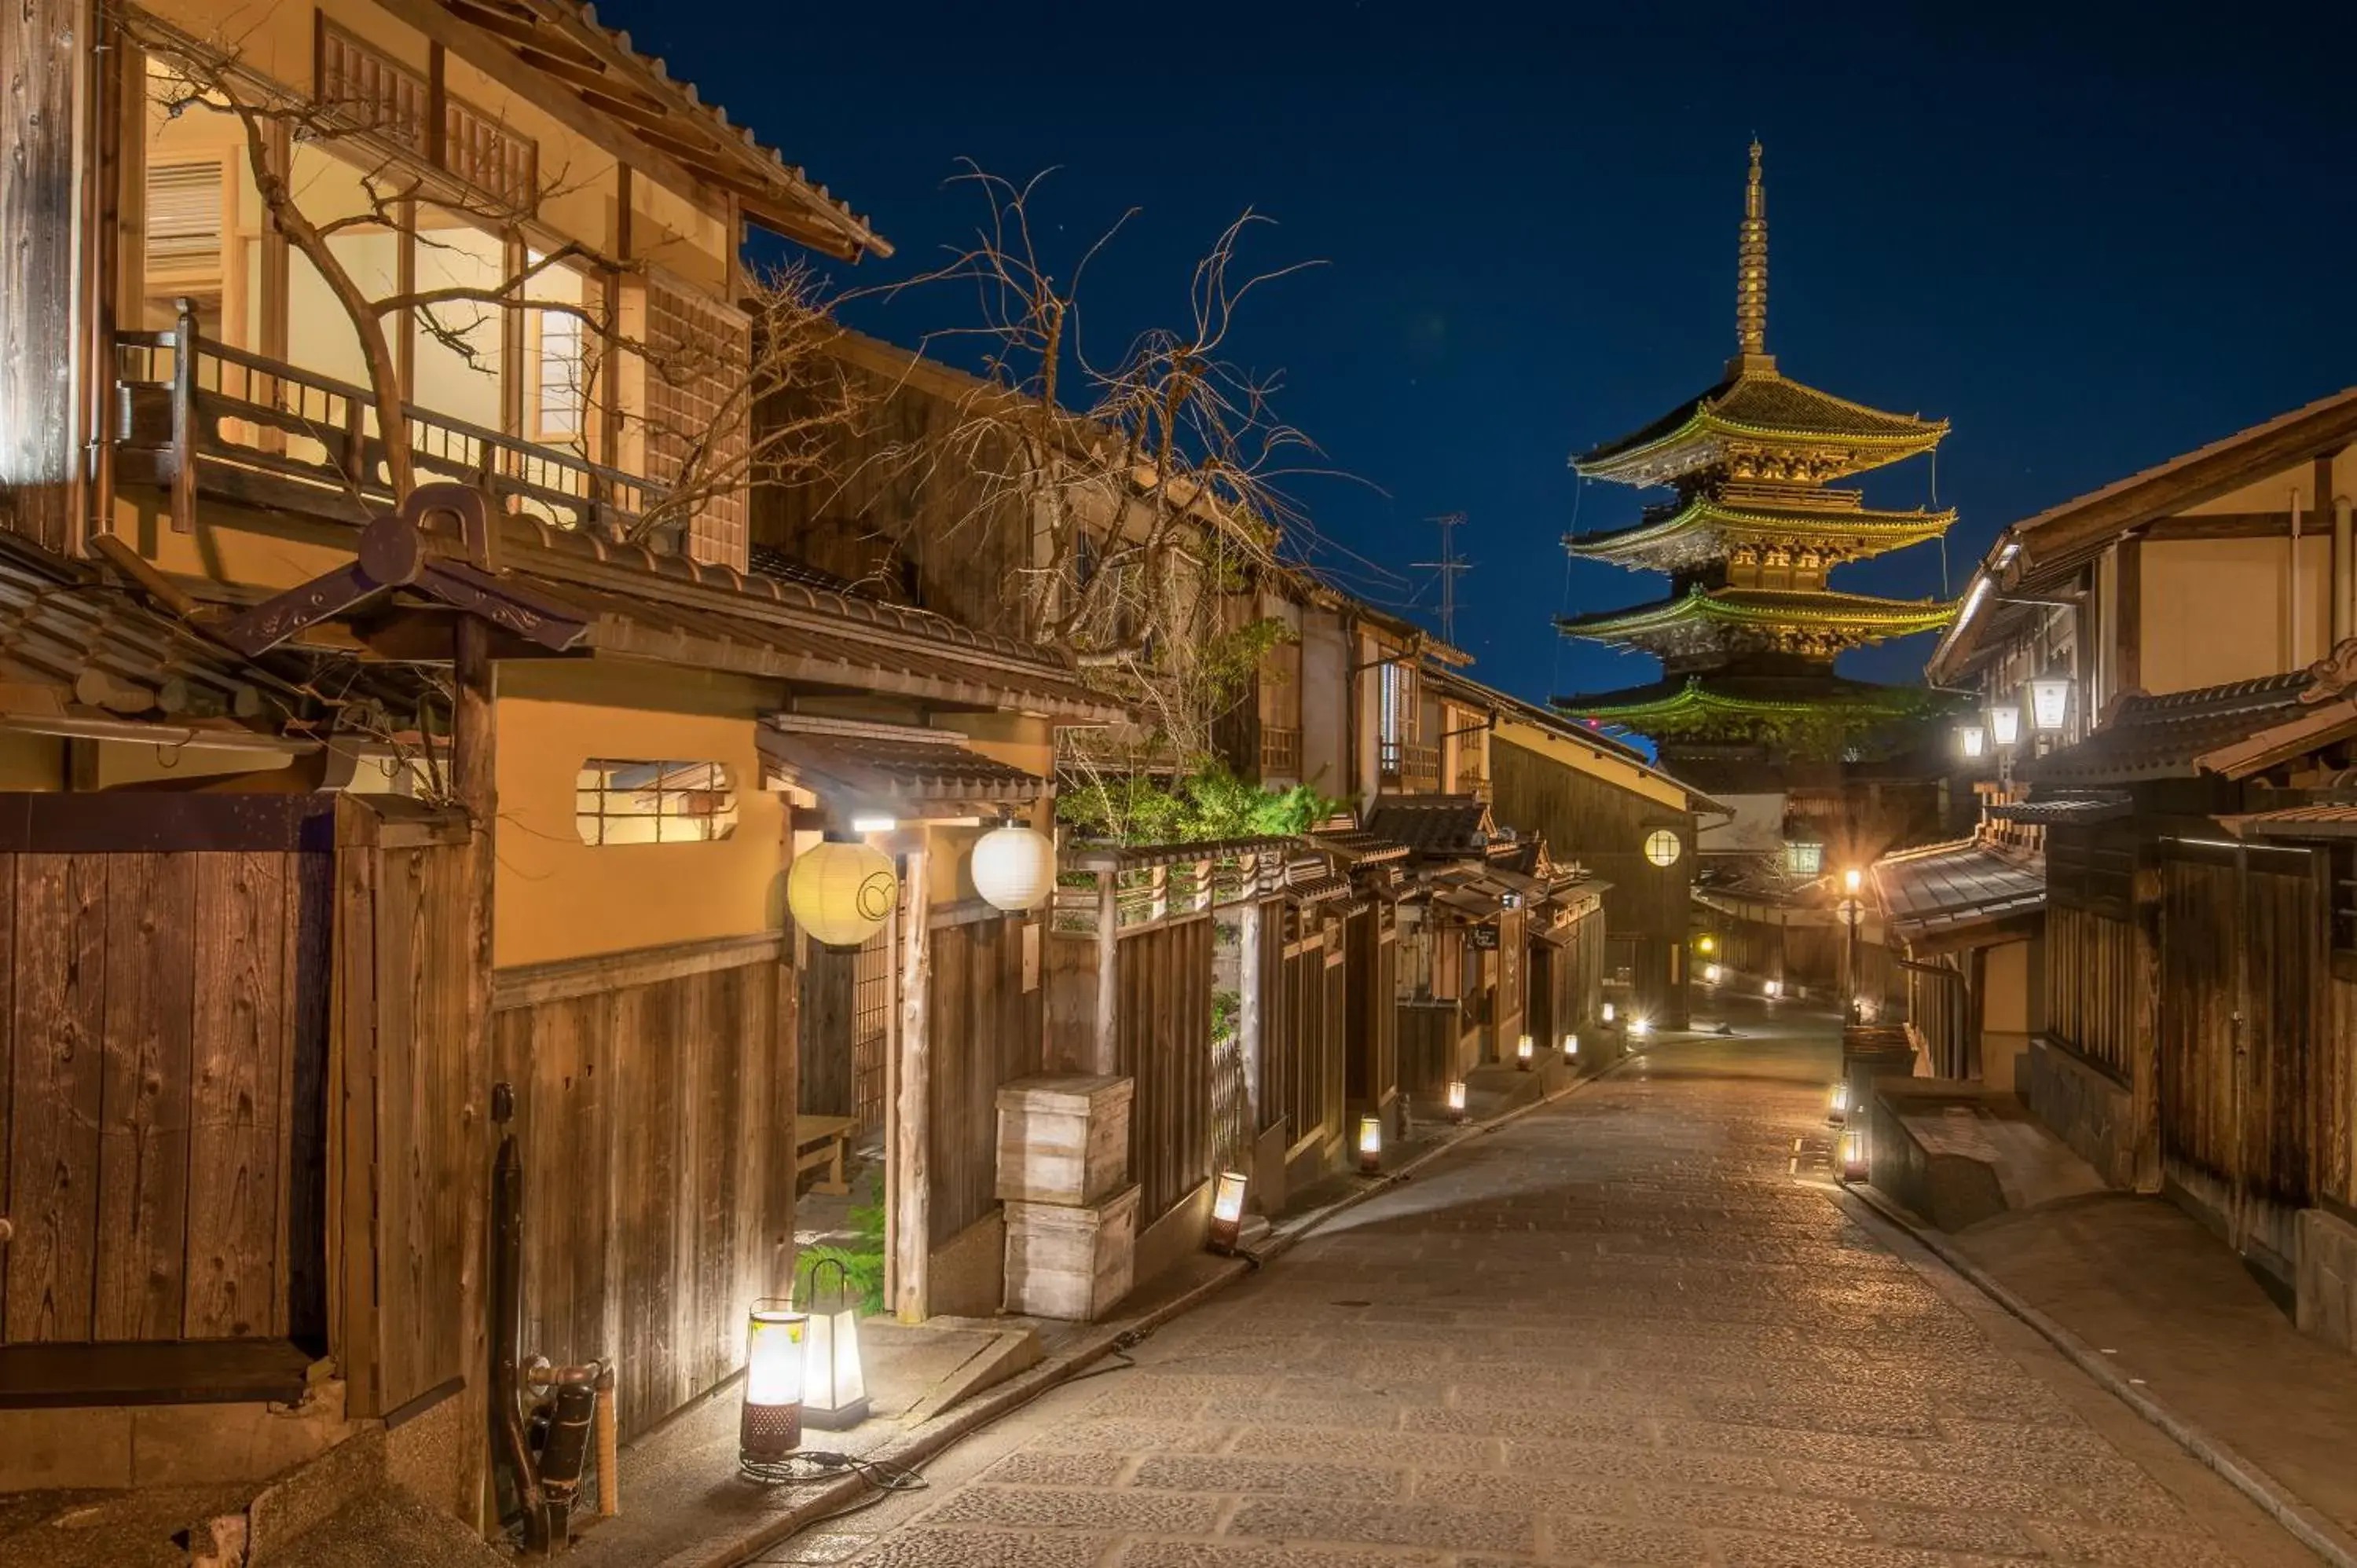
(1973,741)
(1852,911)
(2049,701)
(2004,725)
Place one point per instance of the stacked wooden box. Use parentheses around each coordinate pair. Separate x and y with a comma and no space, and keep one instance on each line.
(1072,1211)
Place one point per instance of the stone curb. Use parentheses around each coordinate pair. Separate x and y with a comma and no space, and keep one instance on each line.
(2303,1524)
(943,1430)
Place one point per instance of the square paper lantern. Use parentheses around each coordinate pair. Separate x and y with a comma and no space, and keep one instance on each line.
(1227,1211)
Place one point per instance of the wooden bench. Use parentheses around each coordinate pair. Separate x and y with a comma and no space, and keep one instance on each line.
(822,1142)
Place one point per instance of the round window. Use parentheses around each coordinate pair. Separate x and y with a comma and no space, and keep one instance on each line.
(1662,848)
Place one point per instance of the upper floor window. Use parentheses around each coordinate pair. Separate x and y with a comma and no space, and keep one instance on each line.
(1396,722)
(370,92)
(619,801)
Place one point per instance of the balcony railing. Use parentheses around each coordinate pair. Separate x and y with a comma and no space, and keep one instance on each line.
(196,415)
(1280,752)
(1409,767)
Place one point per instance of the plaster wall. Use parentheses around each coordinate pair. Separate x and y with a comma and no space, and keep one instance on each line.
(2215,611)
(2005,1016)
(1325,686)
(558,897)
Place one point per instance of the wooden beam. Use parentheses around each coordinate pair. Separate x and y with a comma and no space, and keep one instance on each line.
(474,763)
(909,1169)
(2127,602)
(44,43)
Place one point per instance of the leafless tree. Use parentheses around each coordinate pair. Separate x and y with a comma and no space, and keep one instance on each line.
(1148,482)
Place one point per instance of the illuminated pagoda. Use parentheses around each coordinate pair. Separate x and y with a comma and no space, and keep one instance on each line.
(1749,633)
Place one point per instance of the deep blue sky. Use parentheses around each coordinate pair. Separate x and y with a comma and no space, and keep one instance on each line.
(2089,240)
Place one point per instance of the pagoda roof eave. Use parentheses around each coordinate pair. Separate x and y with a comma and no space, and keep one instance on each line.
(1766,606)
(1695,700)
(1859,535)
(1760,406)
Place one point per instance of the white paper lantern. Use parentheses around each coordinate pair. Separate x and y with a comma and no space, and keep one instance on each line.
(841,892)
(1013,867)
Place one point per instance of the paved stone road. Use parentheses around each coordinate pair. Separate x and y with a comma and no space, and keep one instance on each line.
(1617,1331)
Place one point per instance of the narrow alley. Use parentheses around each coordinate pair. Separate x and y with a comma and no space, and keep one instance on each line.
(1628,1329)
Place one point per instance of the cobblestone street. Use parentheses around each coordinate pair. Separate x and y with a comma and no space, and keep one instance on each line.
(1619,1330)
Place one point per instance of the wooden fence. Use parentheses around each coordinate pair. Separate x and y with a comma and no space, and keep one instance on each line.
(2096,969)
(406,1140)
(985,1031)
(1303,1070)
(654,1109)
(2244,1008)
(163,1052)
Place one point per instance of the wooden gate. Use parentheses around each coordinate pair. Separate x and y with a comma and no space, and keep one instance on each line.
(1166,1049)
(163,1057)
(1371,1023)
(1302,1055)
(2243,966)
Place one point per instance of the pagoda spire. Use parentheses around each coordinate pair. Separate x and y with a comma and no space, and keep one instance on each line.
(1751,275)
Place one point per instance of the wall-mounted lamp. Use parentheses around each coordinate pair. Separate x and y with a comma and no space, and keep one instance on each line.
(2049,701)
(2004,725)
(873,822)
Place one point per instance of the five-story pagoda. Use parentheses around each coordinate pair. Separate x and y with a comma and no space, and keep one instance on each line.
(1749,630)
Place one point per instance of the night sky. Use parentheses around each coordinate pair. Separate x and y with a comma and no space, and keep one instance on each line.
(2089,241)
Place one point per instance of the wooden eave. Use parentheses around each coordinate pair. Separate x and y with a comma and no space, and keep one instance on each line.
(2053,544)
(590,80)
(1855,534)
(2318,727)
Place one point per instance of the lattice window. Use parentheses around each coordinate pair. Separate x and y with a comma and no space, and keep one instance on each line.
(490,157)
(618,801)
(371,92)
(695,421)
(871,1028)
(184,217)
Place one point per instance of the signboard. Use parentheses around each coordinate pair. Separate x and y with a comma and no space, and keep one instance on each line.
(1484,938)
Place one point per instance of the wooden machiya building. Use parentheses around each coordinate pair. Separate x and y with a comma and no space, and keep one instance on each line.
(351,842)
(2177,804)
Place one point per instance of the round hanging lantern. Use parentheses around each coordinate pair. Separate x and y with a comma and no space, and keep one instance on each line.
(1013,867)
(841,892)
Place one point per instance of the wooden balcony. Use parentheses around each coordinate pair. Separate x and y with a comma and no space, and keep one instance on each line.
(196,417)
(1280,752)
(1409,769)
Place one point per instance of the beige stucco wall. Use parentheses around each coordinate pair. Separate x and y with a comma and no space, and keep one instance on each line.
(2005,1014)
(1325,682)
(2220,609)
(558,897)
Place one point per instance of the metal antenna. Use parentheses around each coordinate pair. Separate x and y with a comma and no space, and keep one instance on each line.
(1450,564)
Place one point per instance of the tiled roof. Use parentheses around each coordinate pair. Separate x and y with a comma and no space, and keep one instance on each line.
(2101,807)
(1432,825)
(1702,528)
(907,770)
(2332,819)
(2167,737)
(1949,890)
(1356,847)
(769,561)
(82,655)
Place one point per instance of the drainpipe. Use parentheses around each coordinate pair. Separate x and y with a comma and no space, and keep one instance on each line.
(2292,657)
(2345,573)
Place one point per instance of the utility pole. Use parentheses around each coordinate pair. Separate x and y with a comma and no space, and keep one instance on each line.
(1450,564)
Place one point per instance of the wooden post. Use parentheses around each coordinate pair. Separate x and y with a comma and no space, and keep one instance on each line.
(185,339)
(474,760)
(1249,971)
(2144,1034)
(909,1167)
(1104,1047)
(45,45)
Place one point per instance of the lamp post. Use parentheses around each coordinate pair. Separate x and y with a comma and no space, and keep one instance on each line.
(2050,703)
(2005,726)
(1851,910)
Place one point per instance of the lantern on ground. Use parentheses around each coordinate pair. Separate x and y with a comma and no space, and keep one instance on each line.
(1013,867)
(841,892)
(770,1426)
(1608,1013)
(1522,1053)
(2004,725)
(1371,1144)
(834,1385)
(1641,1027)
(1571,1048)
(1772,989)
(1853,1153)
(1972,740)
(1457,1100)
(1710,973)
(1227,1211)
(2049,701)
(1838,1103)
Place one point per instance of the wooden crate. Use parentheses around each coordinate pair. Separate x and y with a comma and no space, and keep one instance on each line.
(1063,1140)
(1071,1262)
